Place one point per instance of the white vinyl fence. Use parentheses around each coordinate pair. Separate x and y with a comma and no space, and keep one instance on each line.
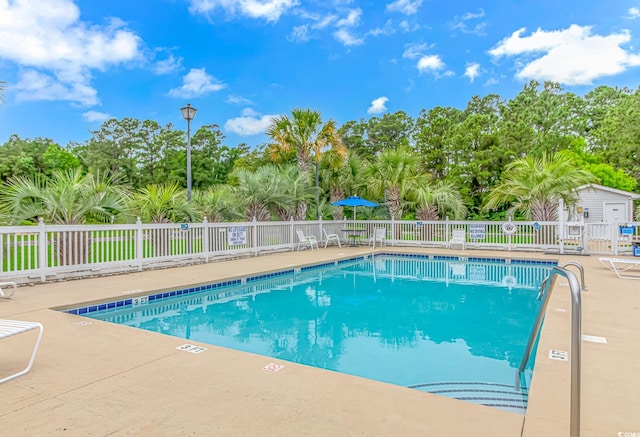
(48,252)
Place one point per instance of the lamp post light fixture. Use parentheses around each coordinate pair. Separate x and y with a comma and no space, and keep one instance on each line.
(188,113)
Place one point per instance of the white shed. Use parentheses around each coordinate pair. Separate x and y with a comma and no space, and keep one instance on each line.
(600,204)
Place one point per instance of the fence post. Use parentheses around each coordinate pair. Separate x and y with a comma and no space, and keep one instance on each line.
(139,243)
(320,234)
(205,239)
(447,232)
(293,247)
(561,225)
(393,230)
(614,236)
(42,249)
(254,237)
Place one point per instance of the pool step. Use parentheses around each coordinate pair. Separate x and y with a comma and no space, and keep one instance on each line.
(503,396)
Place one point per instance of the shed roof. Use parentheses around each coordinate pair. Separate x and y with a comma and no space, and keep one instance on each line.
(609,189)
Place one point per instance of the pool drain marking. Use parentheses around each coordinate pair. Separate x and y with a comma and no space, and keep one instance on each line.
(85,323)
(594,339)
(558,355)
(191,348)
(273,367)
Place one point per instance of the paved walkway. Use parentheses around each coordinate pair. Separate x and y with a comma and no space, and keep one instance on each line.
(101,379)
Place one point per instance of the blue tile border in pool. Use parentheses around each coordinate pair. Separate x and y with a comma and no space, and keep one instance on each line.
(120,304)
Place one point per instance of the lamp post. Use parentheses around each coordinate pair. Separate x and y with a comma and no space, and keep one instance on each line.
(188,113)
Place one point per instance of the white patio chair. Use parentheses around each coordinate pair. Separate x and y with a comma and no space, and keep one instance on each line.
(15,327)
(621,265)
(379,236)
(458,237)
(306,240)
(331,237)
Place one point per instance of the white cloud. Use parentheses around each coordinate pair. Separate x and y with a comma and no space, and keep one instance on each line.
(238,100)
(461,23)
(415,50)
(472,71)
(269,10)
(378,105)
(351,20)
(347,38)
(168,65)
(407,7)
(34,85)
(93,116)
(570,56)
(307,31)
(344,33)
(387,29)
(299,33)
(249,123)
(430,63)
(197,83)
(55,46)
(406,27)
(633,13)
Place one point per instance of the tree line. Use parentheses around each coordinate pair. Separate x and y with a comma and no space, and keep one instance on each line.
(496,157)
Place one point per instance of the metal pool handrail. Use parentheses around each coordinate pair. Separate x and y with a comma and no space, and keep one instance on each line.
(576,337)
(581,269)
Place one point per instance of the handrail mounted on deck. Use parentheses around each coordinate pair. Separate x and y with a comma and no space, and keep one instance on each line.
(576,337)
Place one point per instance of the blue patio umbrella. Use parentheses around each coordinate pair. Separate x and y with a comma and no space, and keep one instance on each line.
(354,201)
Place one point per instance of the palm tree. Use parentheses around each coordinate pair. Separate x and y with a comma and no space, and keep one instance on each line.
(533,186)
(259,192)
(67,198)
(395,173)
(217,203)
(298,189)
(341,177)
(163,203)
(305,134)
(434,200)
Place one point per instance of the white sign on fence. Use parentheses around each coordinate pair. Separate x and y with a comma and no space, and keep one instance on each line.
(237,235)
(477,232)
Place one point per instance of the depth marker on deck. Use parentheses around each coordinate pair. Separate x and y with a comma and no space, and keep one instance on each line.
(594,339)
(273,367)
(558,355)
(191,348)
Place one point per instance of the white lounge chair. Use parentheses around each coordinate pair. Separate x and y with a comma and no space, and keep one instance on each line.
(458,237)
(6,294)
(331,237)
(621,265)
(306,240)
(379,236)
(15,327)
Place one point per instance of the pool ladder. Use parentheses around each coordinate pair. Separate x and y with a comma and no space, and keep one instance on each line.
(576,334)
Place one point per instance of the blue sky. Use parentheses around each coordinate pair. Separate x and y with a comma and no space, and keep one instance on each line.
(71,64)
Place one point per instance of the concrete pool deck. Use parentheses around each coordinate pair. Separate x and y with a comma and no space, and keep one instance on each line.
(98,379)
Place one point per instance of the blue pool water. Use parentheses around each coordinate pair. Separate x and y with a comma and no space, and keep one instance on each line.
(451,327)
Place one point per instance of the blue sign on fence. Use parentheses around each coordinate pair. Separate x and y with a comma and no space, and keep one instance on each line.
(184,226)
(537,226)
(627,230)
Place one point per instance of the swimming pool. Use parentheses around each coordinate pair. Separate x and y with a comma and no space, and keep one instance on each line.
(448,325)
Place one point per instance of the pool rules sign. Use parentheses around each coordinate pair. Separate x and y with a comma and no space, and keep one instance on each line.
(237,235)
